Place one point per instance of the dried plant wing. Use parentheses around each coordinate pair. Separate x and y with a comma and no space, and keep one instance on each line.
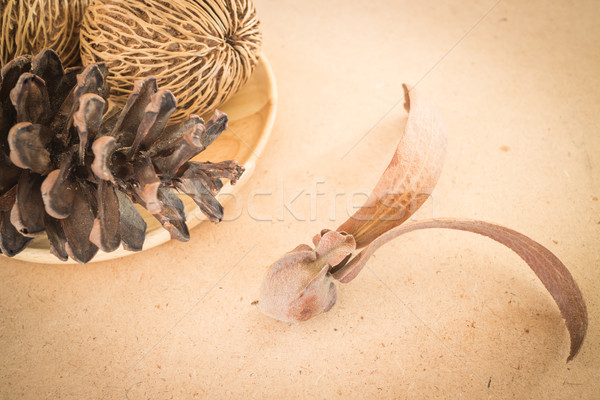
(410,177)
(550,270)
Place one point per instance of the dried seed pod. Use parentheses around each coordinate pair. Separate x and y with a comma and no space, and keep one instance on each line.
(28,26)
(299,286)
(292,289)
(75,171)
(202,51)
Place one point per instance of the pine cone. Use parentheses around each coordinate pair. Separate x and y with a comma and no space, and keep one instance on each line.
(72,169)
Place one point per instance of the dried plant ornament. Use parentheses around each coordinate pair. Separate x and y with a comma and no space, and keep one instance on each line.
(202,51)
(29,26)
(300,285)
(72,169)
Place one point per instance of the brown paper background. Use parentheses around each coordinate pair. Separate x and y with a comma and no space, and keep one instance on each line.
(436,314)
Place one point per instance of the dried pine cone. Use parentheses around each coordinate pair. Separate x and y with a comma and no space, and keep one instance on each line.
(74,171)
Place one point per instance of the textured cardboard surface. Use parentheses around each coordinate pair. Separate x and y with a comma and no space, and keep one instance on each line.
(436,314)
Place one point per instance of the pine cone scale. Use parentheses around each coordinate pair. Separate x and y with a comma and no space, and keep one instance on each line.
(64,87)
(172,215)
(148,184)
(27,213)
(103,149)
(202,197)
(11,241)
(188,146)
(87,120)
(132,226)
(48,67)
(8,198)
(27,143)
(62,104)
(9,76)
(57,237)
(126,129)
(173,134)
(157,113)
(90,80)
(105,232)
(58,192)
(30,99)
(78,226)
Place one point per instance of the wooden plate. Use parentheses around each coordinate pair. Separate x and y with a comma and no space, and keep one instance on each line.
(251,114)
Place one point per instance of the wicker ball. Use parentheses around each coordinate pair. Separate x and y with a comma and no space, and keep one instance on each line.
(202,50)
(28,26)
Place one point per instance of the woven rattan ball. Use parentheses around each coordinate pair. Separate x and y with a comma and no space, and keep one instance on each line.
(202,50)
(28,26)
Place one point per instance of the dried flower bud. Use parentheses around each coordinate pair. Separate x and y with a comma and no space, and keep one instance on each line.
(299,286)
